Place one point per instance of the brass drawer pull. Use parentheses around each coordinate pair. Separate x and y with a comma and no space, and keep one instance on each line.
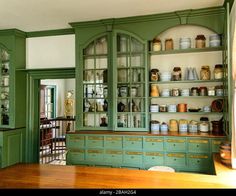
(198,156)
(176,155)
(216,142)
(199,141)
(153,140)
(176,141)
(95,151)
(95,138)
(153,154)
(134,153)
(113,138)
(133,139)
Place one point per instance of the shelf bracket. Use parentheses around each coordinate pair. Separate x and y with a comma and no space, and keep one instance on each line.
(183,16)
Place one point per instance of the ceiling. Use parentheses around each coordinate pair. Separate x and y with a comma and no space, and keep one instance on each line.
(39,15)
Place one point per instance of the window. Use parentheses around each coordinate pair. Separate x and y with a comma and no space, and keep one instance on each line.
(50,101)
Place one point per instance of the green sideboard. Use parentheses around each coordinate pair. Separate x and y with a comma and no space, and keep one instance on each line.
(185,153)
(11,147)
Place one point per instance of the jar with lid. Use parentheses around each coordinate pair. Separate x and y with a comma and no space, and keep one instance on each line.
(194,91)
(154,108)
(164,127)
(183,125)
(154,91)
(155,126)
(218,71)
(154,75)
(217,127)
(192,126)
(200,41)
(176,74)
(156,44)
(219,90)
(205,73)
(203,91)
(163,108)
(169,44)
(211,91)
(204,124)
(173,125)
(175,92)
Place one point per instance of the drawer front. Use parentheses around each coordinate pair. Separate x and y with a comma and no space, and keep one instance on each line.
(153,158)
(75,141)
(94,141)
(153,143)
(113,142)
(133,142)
(133,157)
(198,145)
(113,156)
(75,157)
(215,144)
(94,155)
(198,161)
(175,159)
(175,144)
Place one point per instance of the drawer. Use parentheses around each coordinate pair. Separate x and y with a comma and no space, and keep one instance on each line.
(113,156)
(75,141)
(215,144)
(153,143)
(152,159)
(94,155)
(133,158)
(175,159)
(133,142)
(113,142)
(175,144)
(75,156)
(199,161)
(198,145)
(94,141)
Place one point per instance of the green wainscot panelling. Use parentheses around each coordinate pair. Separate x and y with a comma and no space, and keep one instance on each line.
(133,142)
(75,141)
(94,141)
(75,157)
(151,159)
(113,157)
(198,145)
(175,144)
(11,144)
(153,143)
(175,159)
(215,144)
(133,158)
(113,142)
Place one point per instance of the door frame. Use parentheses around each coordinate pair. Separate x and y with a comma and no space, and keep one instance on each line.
(32,108)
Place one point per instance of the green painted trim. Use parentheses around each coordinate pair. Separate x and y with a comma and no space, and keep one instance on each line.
(153,17)
(55,32)
(15,32)
(231,2)
(32,107)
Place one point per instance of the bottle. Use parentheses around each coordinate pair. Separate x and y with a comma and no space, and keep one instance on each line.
(218,72)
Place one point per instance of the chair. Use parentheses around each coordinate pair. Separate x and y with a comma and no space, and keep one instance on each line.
(162,169)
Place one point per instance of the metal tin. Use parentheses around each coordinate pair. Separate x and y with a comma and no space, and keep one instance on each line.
(154,108)
(183,125)
(155,126)
(164,127)
(172,108)
(193,126)
(185,92)
(165,93)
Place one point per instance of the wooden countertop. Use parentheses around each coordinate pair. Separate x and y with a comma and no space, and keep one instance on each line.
(142,133)
(57,176)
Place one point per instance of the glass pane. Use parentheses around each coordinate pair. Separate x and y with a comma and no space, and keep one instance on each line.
(90,49)
(136,46)
(89,91)
(137,61)
(101,46)
(4,55)
(88,120)
(101,120)
(136,75)
(123,61)
(89,63)
(101,63)
(89,76)
(122,43)
(123,75)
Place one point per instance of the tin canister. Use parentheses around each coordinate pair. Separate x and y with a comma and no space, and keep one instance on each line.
(185,92)
(193,126)
(164,127)
(172,108)
(155,126)
(154,108)
(182,107)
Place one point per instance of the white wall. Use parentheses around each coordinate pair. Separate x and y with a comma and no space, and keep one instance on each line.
(50,52)
(62,86)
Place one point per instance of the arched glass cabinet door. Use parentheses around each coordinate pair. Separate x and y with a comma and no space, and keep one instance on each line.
(95,89)
(4,86)
(131,84)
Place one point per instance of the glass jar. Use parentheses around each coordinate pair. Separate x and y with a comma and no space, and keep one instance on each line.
(163,108)
(192,126)
(219,90)
(183,125)
(154,75)
(175,92)
(169,44)
(200,41)
(211,91)
(155,126)
(218,72)
(164,127)
(194,91)
(205,73)
(203,91)
(176,74)
(156,44)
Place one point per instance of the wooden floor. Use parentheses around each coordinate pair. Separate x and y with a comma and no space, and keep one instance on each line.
(58,176)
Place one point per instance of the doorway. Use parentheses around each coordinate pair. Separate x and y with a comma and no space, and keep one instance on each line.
(32,135)
(54,122)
